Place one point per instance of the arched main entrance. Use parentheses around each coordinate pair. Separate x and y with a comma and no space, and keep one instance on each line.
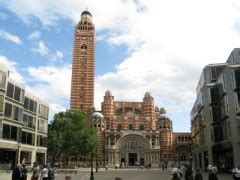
(131,150)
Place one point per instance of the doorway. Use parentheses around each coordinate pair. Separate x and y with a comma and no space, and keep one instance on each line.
(132,159)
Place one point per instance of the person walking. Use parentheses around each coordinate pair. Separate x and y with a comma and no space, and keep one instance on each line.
(212,175)
(176,174)
(44,173)
(17,173)
(35,171)
(198,175)
(24,172)
(236,173)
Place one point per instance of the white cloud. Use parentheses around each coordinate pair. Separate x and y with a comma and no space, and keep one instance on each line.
(10,37)
(41,48)
(35,35)
(170,42)
(13,67)
(52,84)
(58,55)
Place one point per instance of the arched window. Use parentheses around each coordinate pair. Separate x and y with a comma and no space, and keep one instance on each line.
(182,139)
(141,127)
(84,46)
(179,138)
(130,127)
(119,127)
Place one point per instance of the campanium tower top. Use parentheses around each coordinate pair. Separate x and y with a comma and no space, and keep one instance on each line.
(82,85)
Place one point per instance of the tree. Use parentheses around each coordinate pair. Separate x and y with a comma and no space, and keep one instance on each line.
(69,134)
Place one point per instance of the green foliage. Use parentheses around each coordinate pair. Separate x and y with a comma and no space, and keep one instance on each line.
(70,134)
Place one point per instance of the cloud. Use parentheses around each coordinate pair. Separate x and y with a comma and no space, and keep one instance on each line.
(10,37)
(46,85)
(41,49)
(58,55)
(13,67)
(170,42)
(35,35)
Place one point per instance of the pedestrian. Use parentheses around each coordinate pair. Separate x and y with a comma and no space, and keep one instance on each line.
(17,173)
(236,173)
(188,173)
(198,175)
(176,174)
(44,173)
(213,173)
(35,171)
(24,172)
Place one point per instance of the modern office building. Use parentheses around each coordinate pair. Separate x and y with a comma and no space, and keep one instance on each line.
(23,124)
(130,133)
(215,116)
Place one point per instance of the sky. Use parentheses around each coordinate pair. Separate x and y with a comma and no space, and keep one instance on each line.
(141,45)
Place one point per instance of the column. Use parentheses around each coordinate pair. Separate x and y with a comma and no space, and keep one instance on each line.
(33,159)
(150,141)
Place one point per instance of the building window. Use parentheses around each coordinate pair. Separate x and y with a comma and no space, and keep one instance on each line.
(119,128)
(30,104)
(28,138)
(84,47)
(6,131)
(29,121)
(130,127)
(141,127)
(13,133)
(8,110)
(17,93)
(237,78)
(26,103)
(10,88)
(16,113)
(9,132)
(42,141)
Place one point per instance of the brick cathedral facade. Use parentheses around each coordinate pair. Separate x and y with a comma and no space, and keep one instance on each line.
(130,133)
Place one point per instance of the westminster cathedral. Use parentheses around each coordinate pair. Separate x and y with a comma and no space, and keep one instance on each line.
(130,133)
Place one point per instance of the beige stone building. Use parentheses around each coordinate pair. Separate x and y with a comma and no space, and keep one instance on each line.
(23,124)
(130,133)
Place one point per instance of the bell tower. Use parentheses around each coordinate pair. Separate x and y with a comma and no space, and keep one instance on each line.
(82,85)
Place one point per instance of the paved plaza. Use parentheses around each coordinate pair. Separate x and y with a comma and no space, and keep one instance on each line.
(123,174)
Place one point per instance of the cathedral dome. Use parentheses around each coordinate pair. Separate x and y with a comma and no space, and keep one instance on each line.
(162,111)
(163,117)
(97,115)
(147,94)
(108,93)
(86,12)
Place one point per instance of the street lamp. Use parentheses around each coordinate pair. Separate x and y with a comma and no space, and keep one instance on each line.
(91,174)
